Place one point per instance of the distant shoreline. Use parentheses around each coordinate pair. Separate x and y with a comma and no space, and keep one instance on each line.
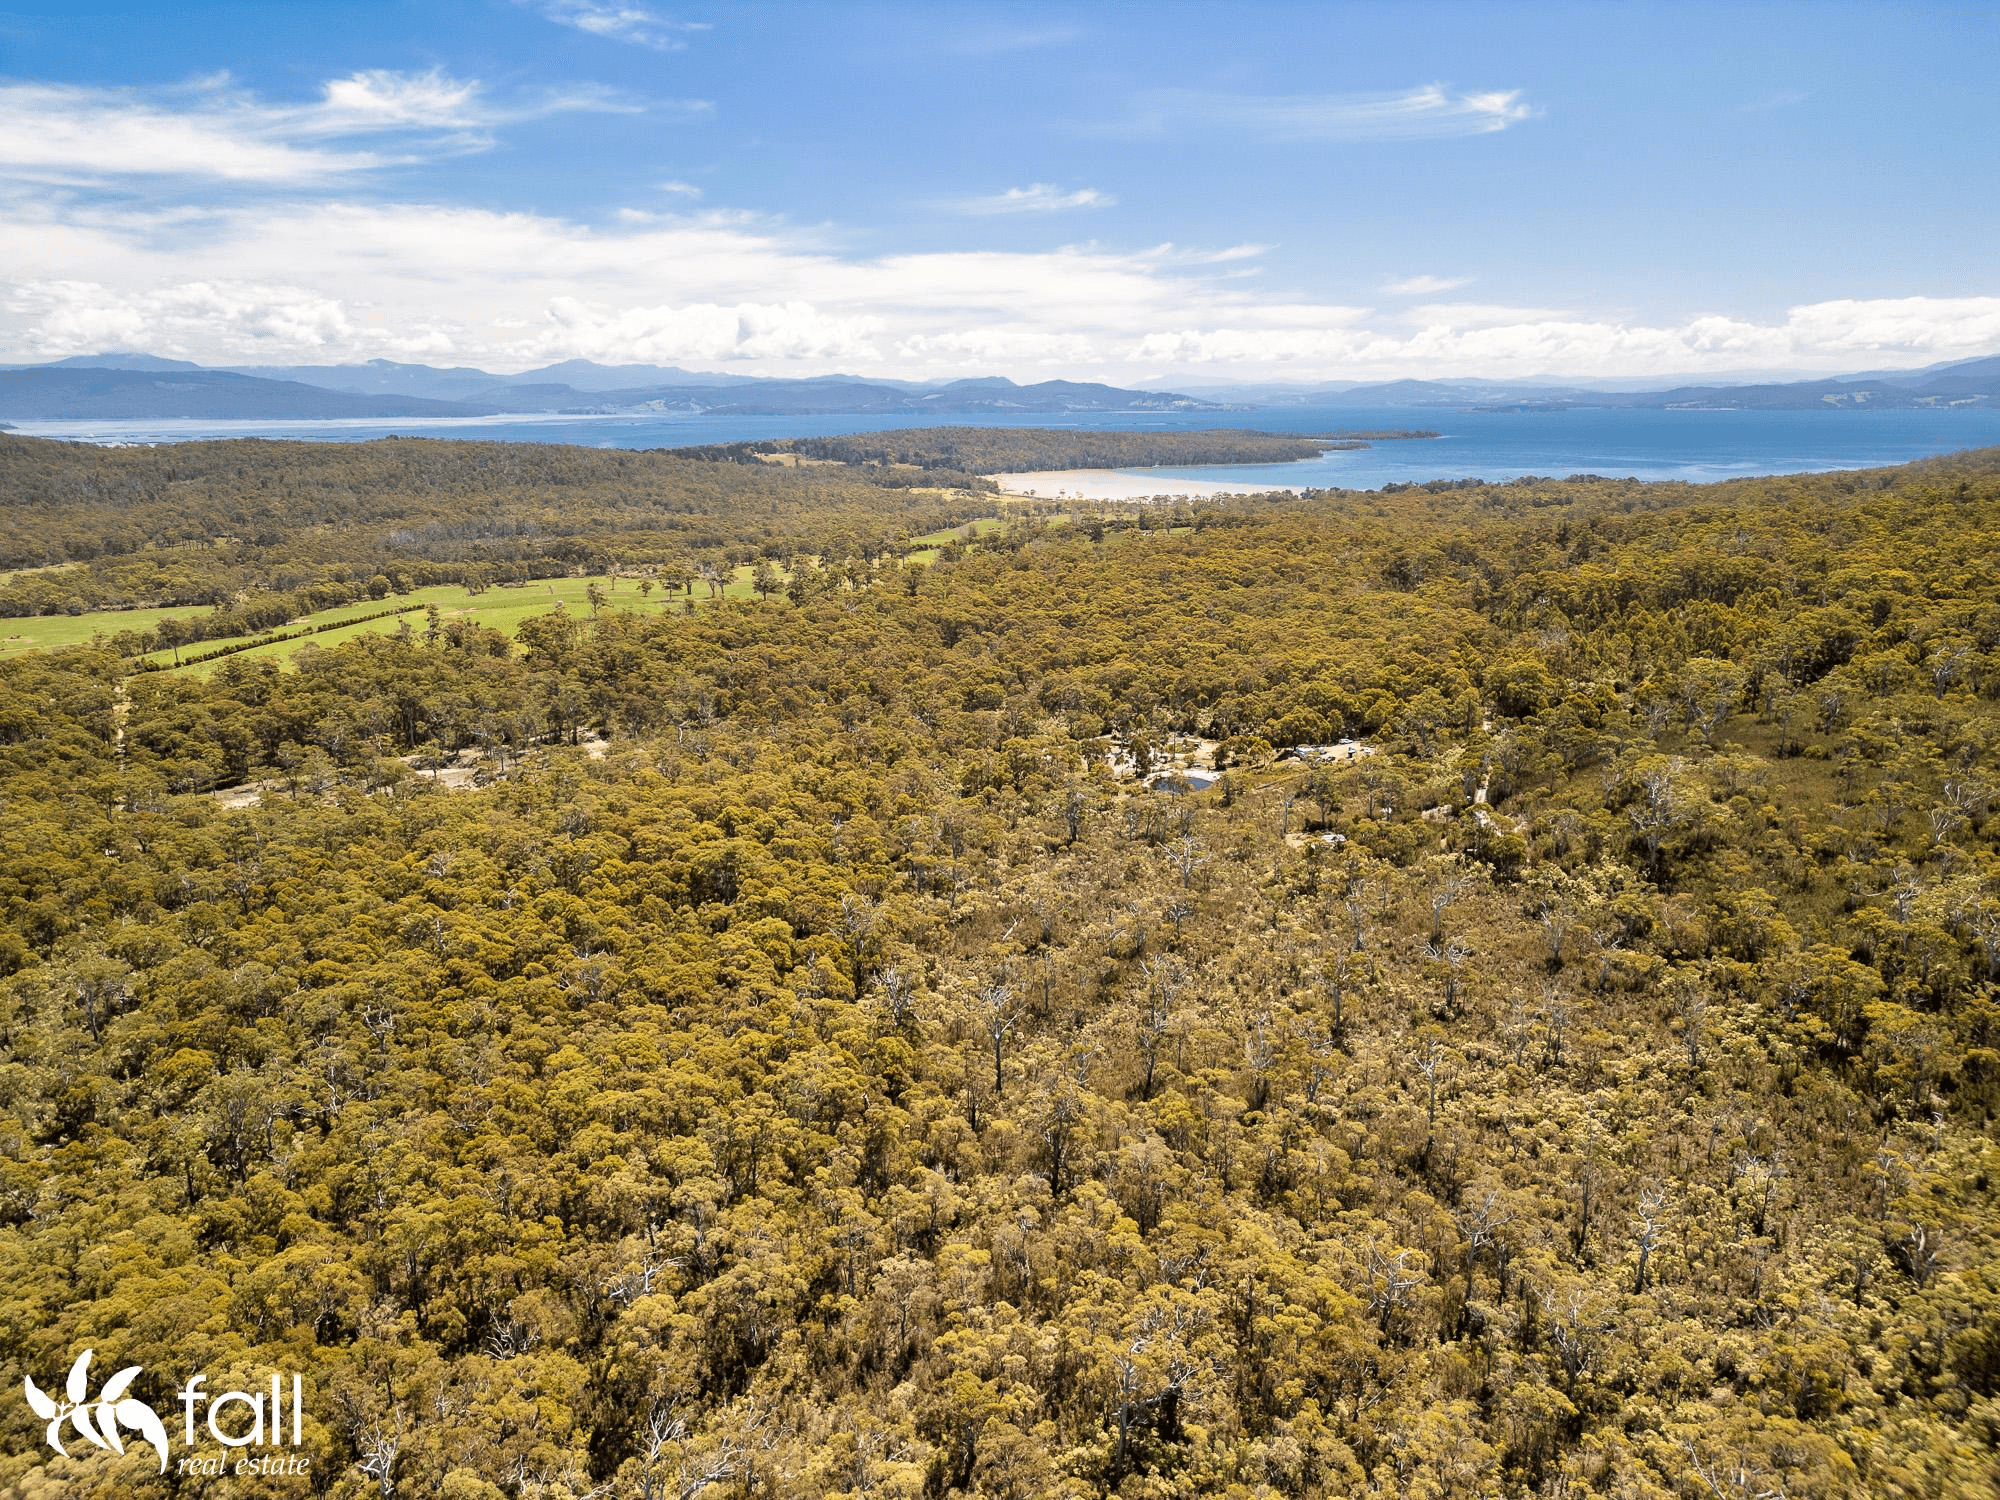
(1123,484)
(1685,446)
(1132,482)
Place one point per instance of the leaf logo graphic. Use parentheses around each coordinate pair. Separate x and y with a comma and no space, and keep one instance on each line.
(99,1422)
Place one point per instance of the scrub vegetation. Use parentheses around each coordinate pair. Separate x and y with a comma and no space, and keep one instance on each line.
(819,1044)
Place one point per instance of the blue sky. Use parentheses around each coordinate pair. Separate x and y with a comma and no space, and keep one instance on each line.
(1180,193)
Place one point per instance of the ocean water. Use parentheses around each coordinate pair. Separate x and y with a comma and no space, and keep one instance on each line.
(1699,447)
(1696,446)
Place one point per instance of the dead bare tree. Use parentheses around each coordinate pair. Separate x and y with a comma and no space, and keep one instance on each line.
(1659,807)
(1334,975)
(1649,1215)
(1921,1249)
(635,1282)
(1159,1010)
(1451,955)
(1429,1060)
(1574,1337)
(1556,1016)
(667,1470)
(1259,1054)
(856,926)
(1355,897)
(1691,1007)
(1390,1282)
(899,994)
(1187,857)
(378,1439)
(1557,918)
(1444,895)
(1480,1226)
(997,1017)
(1074,808)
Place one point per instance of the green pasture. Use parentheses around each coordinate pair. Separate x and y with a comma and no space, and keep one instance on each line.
(984,526)
(925,548)
(50,632)
(502,607)
(499,608)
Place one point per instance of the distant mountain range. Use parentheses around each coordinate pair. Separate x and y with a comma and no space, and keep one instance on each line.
(144,386)
(49,394)
(1970,382)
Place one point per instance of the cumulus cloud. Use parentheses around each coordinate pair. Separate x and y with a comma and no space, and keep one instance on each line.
(1419,286)
(617,22)
(66,134)
(1035,198)
(81,315)
(1428,113)
(511,290)
(1823,336)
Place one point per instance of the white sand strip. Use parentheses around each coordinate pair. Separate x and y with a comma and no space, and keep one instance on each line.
(1124,484)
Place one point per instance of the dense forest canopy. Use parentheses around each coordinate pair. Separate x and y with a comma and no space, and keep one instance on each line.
(837,1045)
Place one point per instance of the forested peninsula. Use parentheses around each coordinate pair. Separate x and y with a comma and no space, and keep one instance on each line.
(1485,990)
(989,450)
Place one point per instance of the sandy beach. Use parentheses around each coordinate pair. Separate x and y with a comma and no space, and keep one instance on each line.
(1122,484)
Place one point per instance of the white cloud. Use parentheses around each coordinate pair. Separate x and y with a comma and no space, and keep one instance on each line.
(1418,286)
(1035,198)
(65,134)
(50,132)
(1211,257)
(1426,113)
(681,189)
(377,99)
(1825,336)
(244,315)
(511,290)
(617,22)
